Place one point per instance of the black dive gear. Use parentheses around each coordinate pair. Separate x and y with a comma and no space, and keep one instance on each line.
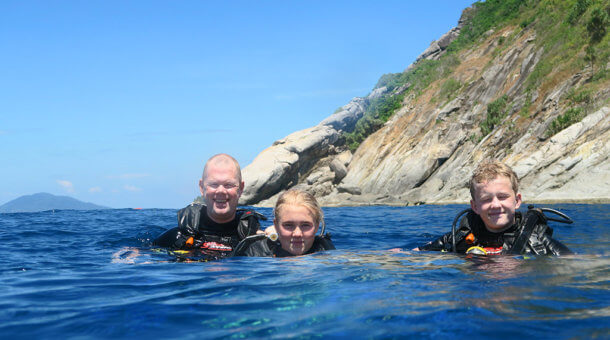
(529,234)
(455,220)
(197,230)
(261,246)
(533,231)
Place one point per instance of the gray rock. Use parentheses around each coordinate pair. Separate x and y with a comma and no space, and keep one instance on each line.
(436,48)
(451,107)
(321,175)
(345,157)
(350,189)
(339,169)
(285,161)
(346,118)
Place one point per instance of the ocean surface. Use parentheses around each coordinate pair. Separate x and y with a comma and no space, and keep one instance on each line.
(94,274)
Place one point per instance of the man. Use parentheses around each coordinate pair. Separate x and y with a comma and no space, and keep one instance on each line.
(493,225)
(215,227)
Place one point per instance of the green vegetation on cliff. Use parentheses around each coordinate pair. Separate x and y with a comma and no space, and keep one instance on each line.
(398,85)
(571,35)
(496,111)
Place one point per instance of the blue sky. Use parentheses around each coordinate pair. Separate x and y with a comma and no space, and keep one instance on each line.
(120,103)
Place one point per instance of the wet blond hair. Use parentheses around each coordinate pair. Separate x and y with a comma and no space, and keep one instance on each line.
(301,198)
(222,158)
(490,170)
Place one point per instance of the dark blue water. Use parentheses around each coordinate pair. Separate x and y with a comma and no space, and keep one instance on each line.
(62,277)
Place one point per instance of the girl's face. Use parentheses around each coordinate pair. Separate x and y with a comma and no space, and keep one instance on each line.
(296,228)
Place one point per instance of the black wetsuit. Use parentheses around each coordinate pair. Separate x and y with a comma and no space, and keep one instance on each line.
(539,242)
(267,248)
(196,231)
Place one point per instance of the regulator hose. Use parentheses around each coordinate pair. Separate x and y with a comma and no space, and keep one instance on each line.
(564,218)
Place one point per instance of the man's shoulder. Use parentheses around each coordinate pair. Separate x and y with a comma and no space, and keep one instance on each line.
(190,215)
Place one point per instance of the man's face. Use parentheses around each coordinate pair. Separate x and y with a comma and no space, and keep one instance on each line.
(221,190)
(496,203)
(296,229)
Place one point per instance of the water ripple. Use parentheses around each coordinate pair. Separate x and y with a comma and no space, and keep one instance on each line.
(68,274)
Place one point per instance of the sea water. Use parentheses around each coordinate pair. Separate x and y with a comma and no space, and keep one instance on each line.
(94,274)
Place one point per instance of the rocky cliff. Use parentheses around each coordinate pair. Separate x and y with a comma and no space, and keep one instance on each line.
(510,93)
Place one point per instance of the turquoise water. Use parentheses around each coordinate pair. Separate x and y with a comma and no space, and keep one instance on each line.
(62,277)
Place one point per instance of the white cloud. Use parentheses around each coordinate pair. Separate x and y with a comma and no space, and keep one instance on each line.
(131,188)
(95,189)
(127,176)
(67,185)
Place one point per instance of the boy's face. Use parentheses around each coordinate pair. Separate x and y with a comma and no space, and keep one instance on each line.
(496,202)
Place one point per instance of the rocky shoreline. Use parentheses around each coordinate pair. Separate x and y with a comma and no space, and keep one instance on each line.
(427,150)
(347,202)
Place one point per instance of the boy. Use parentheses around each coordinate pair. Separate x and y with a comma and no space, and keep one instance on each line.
(493,226)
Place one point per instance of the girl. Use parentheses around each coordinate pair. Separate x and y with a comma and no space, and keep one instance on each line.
(297,219)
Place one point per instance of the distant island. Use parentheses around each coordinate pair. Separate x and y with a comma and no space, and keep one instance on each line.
(45,201)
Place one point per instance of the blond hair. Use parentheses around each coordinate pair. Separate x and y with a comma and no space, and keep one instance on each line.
(302,198)
(222,158)
(490,170)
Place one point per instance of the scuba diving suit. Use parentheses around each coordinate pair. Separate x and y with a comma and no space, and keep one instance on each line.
(197,231)
(263,247)
(529,235)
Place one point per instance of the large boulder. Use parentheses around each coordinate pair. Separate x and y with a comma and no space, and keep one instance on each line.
(281,165)
(288,160)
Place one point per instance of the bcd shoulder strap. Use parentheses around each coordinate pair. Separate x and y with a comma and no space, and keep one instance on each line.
(324,242)
(189,217)
(533,217)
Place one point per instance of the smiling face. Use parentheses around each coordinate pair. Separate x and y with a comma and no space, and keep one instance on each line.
(496,202)
(221,188)
(296,228)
